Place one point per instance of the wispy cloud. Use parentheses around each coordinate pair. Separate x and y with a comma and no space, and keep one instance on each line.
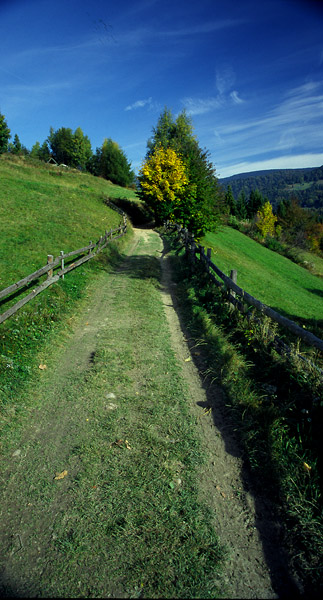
(141,104)
(200,106)
(203,28)
(300,105)
(224,79)
(235,97)
(300,161)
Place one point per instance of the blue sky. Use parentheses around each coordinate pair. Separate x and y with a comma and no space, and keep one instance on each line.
(249,73)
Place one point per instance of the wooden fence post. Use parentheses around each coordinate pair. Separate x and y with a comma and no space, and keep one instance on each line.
(208,259)
(202,255)
(50,259)
(62,262)
(193,249)
(233,277)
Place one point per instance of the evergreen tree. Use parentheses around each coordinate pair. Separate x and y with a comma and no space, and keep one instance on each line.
(111,163)
(82,150)
(255,203)
(44,153)
(5,134)
(241,210)
(230,201)
(15,147)
(34,153)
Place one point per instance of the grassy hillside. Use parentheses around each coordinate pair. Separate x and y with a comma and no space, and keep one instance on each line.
(270,277)
(43,210)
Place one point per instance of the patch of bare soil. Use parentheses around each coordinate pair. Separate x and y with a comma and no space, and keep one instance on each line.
(256,566)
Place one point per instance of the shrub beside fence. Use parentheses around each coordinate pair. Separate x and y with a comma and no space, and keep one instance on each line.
(229,283)
(88,252)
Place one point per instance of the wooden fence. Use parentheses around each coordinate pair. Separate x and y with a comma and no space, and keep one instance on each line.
(88,252)
(229,283)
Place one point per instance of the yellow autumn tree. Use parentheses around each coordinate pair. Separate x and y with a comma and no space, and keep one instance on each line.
(163,180)
(265,220)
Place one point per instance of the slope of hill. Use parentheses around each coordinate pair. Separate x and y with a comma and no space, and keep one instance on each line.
(45,209)
(306,184)
(270,277)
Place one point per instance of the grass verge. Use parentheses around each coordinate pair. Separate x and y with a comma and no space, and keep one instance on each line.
(276,410)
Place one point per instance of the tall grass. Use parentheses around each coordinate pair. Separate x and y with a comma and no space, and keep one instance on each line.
(276,409)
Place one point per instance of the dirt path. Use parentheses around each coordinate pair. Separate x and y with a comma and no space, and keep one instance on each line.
(246,527)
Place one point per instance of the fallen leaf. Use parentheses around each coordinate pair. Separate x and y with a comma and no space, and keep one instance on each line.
(42,367)
(187,359)
(307,467)
(61,475)
(197,353)
(117,443)
(127,444)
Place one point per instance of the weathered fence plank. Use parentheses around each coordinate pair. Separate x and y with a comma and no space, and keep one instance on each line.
(11,311)
(23,282)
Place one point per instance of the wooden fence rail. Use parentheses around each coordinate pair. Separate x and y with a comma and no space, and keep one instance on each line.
(192,250)
(90,251)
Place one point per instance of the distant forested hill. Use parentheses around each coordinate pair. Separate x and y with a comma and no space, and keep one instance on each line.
(275,184)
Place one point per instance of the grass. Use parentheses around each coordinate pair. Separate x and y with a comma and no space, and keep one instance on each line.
(44,210)
(126,521)
(276,409)
(270,277)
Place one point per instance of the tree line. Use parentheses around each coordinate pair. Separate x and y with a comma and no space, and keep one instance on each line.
(73,149)
(305,184)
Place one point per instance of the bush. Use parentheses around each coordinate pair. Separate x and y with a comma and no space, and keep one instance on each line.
(274,245)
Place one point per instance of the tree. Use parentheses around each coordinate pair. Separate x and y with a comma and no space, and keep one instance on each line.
(163,181)
(255,203)
(44,153)
(5,134)
(203,191)
(34,153)
(72,149)
(15,147)
(111,163)
(230,201)
(61,145)
(266,220)
(82,149)
(241,207)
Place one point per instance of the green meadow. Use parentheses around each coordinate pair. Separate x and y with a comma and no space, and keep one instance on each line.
(268,276)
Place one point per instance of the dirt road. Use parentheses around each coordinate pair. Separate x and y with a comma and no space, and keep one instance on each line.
(255,565)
